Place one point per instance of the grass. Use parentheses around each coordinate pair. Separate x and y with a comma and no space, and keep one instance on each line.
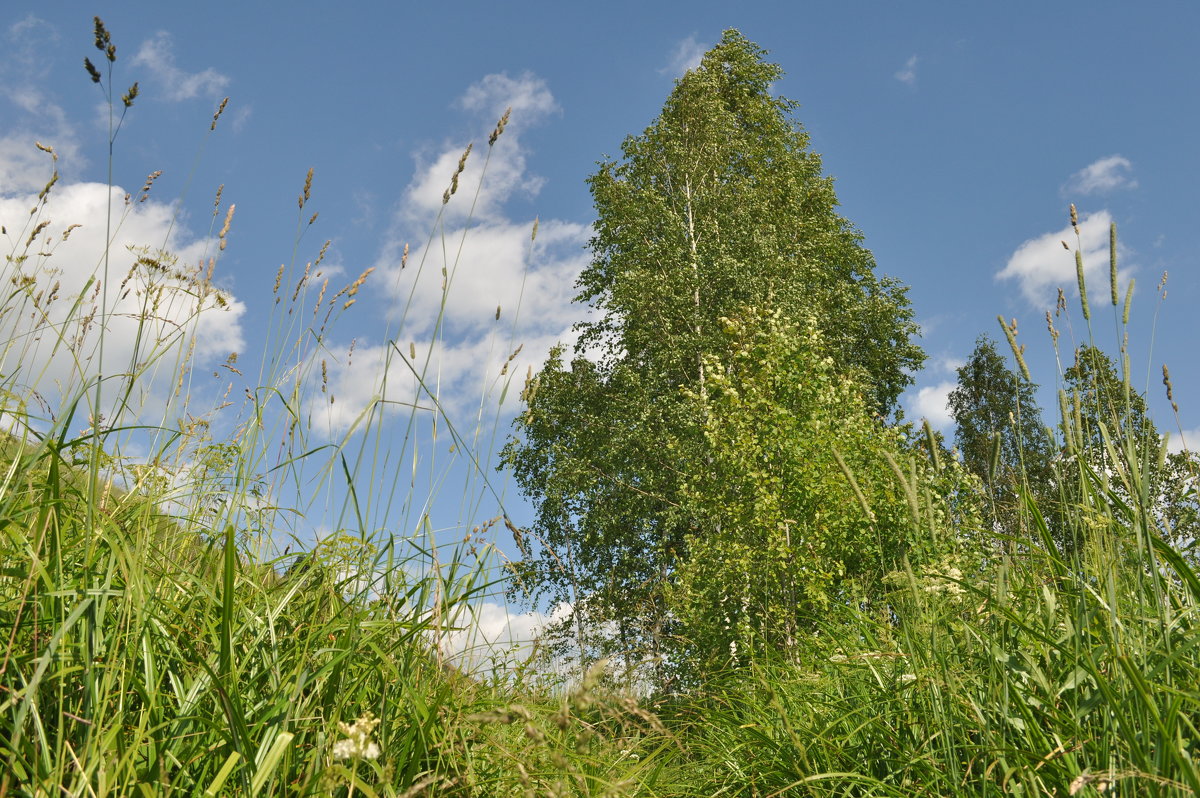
(158,642)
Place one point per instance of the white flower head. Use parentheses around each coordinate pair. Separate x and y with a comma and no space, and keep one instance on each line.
(357,743)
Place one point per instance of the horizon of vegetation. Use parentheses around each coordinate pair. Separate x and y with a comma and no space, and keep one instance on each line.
(771,584)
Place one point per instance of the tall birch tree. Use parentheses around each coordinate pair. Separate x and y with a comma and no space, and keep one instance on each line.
(717,206)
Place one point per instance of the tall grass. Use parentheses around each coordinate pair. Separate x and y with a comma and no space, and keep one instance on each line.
(160,637)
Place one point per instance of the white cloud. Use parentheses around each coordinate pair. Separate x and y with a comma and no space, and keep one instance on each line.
(507,172)
(1040,265)
(1103,176)
(241,117)
(686,56)
(908,73)
(29,41)
(527,95)
(34,116)
(948,365)
(157,55)
(494,635)
(468,367)
(151,317)
(933,403)
(444,301)
(1190,441)
(23,168)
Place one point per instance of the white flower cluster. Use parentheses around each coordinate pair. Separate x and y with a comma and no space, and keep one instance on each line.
(357,743)
(947,583)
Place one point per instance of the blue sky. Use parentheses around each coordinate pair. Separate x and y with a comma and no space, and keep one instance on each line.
(958,134)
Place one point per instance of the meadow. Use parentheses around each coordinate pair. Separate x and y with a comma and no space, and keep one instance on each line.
(171,629)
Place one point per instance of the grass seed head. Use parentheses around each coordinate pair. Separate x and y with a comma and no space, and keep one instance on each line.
(46,190)
(103,39)
(1083,300)
(357,284)
(500,125)
(155,175)
(462,165)
(304,197)
(1010,333)
(217,115)
(225,228)
(1170,390)
(1051,328)
(1112,262)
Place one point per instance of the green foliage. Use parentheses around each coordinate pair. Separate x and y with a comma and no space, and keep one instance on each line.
(717,206)
(1109,433)
(797,506)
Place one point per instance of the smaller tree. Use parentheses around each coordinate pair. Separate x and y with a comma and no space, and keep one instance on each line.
(1000,436)
(1109,428)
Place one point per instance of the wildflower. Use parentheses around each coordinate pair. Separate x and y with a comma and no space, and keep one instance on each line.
(950,587)
(357,743)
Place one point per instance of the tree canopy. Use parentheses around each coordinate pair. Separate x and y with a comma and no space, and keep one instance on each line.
(718,206)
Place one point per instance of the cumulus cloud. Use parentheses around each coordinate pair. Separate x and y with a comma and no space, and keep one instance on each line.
(686,56)
(443,303)
(157,54)
(464,354)
(493,635)
(507,171)
(52,325)
(1041,265)
(527,95)
(908,73)
(1104,176)
(933,403)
